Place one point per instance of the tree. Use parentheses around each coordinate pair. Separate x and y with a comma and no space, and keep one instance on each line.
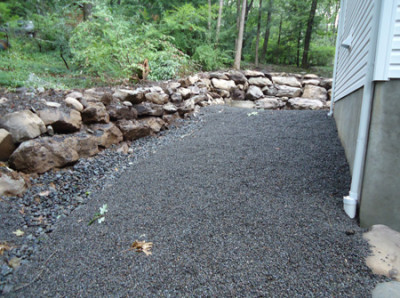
(307,38)
(267,30)
(221,4)
(258,32)
(238,53)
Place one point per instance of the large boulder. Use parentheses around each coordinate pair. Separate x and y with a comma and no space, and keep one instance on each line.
(315,92)
(170,108)
(326,83)
(118,111)
(6,144)
(134,96)
(11,183)
(106,134)
(149,109)
(288,81)
(23,125)
(237,77)
(282,91)
(157,97)
(41,155)
(132,129)
(184,92)
(238,94)
(223,84)
(156,124)
(299,103)
(253,73)
(269,103)
(260,81)
(254,93)
(219,75)
(62,121)
(95,113)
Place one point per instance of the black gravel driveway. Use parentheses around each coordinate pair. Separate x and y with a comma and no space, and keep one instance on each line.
(242,205)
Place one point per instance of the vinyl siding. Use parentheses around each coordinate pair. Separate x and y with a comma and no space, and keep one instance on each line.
(394,60)
(352,64)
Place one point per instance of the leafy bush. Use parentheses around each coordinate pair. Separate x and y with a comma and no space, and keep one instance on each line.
(321,55)
(111,46)
(210,58)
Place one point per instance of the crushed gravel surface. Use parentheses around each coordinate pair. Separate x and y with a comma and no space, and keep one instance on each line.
(235,205)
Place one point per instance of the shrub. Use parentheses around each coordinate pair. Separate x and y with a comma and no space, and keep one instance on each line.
(211,58)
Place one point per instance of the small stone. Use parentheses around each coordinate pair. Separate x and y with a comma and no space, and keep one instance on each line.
(74,103)
(127,103)
(3,100)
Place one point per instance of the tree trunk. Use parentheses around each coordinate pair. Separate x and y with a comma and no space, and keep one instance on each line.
(238,54)
(209,16)
(258,33)
(298,49)
(307,38)
(267,30)
(238,14)
(248,8)
(221,4)
(279,40)
(87,11)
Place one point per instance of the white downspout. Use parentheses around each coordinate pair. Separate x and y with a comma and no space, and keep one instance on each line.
(350,202)
(339,31)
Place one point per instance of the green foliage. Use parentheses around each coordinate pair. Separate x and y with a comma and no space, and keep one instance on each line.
(187,25)
(114,47)
(211,58)
(322,55)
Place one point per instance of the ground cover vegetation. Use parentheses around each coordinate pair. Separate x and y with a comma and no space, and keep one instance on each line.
(65,43)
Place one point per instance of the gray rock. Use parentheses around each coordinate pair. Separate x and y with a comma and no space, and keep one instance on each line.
(134,96)
(11,183)
(300,103)
(237,77)
(260,81)
(238,94)
(315,92)
(41,155)
(185,92)
(246,104)
(119,111)
(311,76)
(62,121)
(254,93)
(311,82)
(282,91)
(156,124)
(133,130)
(288,81)
(6,144)
(253,73)
(170,108)
(176,97)
(74,103)
(95,113)
(326,83)
(75,94)
(223,84)
(23,125)
(157,98)
(268,103)
(219,75)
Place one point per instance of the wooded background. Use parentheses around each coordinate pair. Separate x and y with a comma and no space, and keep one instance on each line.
(111,39)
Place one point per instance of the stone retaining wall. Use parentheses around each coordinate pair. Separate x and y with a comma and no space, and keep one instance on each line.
(84,123)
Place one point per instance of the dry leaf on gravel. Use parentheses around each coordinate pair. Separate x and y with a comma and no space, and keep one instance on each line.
(142,246)
(4,247)
(18,233)
(14,262)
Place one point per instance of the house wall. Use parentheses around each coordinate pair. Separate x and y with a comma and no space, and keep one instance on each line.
(394,60)
(380,196)
(351,66)
(347,116)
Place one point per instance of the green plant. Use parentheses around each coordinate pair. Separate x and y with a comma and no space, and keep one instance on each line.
(211,58)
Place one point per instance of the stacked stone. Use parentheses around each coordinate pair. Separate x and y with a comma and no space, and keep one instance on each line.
(84,123)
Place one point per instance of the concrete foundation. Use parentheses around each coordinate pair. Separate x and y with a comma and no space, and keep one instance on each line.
(380,196)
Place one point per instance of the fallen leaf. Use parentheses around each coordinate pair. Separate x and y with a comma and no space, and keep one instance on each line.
(252,114)
(4,247)
(14,262)
(22,211)
(142,246)
(19,233)
(44,193)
